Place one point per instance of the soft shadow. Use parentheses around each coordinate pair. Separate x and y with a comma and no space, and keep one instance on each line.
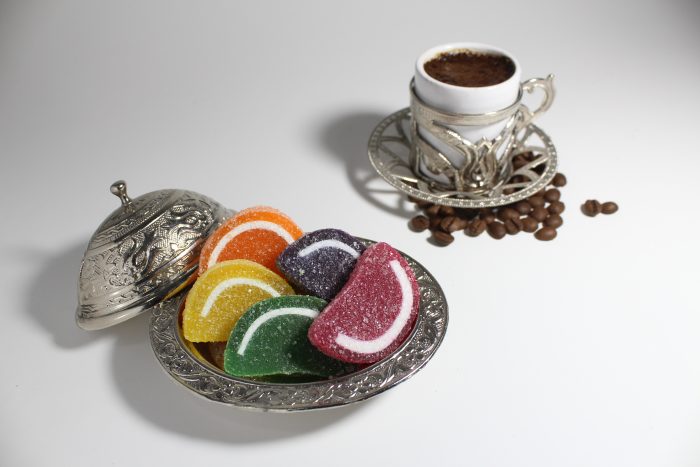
(346,137)
(52,297)
(152,394)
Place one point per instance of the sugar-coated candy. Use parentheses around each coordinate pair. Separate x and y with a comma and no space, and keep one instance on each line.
(373,313)
(271,339)
(320,262)
(223,293)
(257,234)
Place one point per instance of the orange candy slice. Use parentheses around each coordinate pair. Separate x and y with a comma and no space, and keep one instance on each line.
(257,234)
(223,293)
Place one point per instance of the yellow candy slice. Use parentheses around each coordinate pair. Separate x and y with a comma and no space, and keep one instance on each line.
(223,293)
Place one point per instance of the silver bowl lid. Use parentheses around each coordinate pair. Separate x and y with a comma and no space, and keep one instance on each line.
(143,253)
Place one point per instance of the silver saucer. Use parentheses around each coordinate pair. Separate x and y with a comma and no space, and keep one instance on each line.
(207,381)
(389,152)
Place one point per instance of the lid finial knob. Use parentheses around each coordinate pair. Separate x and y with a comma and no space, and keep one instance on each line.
(118,188)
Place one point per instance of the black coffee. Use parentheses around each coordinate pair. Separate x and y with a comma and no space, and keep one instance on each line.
(470,69)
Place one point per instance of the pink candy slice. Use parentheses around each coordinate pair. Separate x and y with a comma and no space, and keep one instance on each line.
(373,313)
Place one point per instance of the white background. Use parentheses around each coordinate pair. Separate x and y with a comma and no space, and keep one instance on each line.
(579,352)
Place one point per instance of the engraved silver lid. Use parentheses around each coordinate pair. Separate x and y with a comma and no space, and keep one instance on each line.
(144,252)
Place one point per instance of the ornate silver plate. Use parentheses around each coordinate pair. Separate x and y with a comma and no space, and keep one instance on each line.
(207,381)
(389,151)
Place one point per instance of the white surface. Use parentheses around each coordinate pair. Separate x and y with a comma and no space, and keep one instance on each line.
(589,358)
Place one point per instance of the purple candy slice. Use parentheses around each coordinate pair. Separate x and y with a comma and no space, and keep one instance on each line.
(320,262)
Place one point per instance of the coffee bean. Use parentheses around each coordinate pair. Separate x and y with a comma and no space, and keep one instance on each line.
(546,234)
(556,207)
(509,191)
(445,223)
(487,215)
(475,228)
(523,207)
(552,195)
(530,224)
(435,222)
(513,226)
(609,207)
(419,223)
(467,214)
(442,238)
(452,224)
(591,207)
(519,162)
(447,210)
(459,224)
(559,180)
(539,214)
(496,230)
(536,201)
(506,213)
(554,220)
(432,210)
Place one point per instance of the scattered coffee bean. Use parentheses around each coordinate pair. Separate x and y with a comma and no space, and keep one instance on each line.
(513,225)
(419,223)
(556,207)
(554,220)
(609,207)
(529,224)
(523,207)
(539,214)
(467,214)
(546,234)
(488,218)
(559,180)
(432,210)
(506,213)
(475,228)
(442,238)
(591,207)
(496,230)
(519,162)
(452,224)
(445,223)
(552,195)
(447,210)
(536,201)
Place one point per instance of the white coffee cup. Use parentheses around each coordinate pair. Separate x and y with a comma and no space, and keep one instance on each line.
(476,101)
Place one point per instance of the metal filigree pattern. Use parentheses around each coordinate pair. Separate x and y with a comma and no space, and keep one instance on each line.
(476,167)
(205,380)
(143,253)
(390,148)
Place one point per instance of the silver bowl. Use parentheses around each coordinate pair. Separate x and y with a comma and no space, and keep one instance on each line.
(209,382)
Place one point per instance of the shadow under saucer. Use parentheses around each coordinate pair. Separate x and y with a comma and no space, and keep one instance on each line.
(346,136)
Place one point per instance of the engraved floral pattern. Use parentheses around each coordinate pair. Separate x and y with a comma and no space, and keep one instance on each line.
(141,266)
(197,376)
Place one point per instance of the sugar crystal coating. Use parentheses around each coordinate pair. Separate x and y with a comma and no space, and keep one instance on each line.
(373,313)
(258,234)
(223,293)
(271,339)
(320,262)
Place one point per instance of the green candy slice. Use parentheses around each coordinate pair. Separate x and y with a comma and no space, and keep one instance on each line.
(270,339)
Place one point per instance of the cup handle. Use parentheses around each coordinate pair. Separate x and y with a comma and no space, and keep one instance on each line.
(530,85)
